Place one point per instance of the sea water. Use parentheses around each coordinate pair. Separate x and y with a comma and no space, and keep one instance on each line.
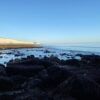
(87,47)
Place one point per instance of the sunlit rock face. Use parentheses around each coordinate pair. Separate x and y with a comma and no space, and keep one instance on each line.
(11,43)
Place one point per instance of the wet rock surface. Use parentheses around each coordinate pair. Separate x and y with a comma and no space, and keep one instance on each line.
(51,79)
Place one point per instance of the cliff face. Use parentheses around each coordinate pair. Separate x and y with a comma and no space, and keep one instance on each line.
(11,43)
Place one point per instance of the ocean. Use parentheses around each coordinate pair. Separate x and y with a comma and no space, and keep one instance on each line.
(87,47)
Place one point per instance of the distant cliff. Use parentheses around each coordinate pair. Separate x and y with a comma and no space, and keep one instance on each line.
(11,43)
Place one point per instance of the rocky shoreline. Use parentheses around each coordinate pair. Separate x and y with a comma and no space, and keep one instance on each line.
(50,78)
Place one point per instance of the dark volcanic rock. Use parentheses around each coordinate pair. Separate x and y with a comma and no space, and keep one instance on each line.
(51,79)
(47,51)
(7,97)
(6,84)
(79,88)
(52,58)
(72,62)
(33,83)
(34,94)
(24,70)
(53,76)
(93,60)
(2,70)
(31,60)
(63,54)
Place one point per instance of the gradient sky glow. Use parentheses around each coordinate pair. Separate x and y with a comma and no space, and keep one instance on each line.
(50,21)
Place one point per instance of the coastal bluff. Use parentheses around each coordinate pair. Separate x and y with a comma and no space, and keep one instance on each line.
(6,43)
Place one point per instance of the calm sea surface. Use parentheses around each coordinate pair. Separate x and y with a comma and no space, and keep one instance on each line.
(93,47)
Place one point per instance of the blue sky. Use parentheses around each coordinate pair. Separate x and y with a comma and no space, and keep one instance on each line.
(50,21)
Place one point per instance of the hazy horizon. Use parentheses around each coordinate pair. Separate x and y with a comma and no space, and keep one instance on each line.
(50,43)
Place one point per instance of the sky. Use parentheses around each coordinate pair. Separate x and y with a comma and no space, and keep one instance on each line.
(51,21)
